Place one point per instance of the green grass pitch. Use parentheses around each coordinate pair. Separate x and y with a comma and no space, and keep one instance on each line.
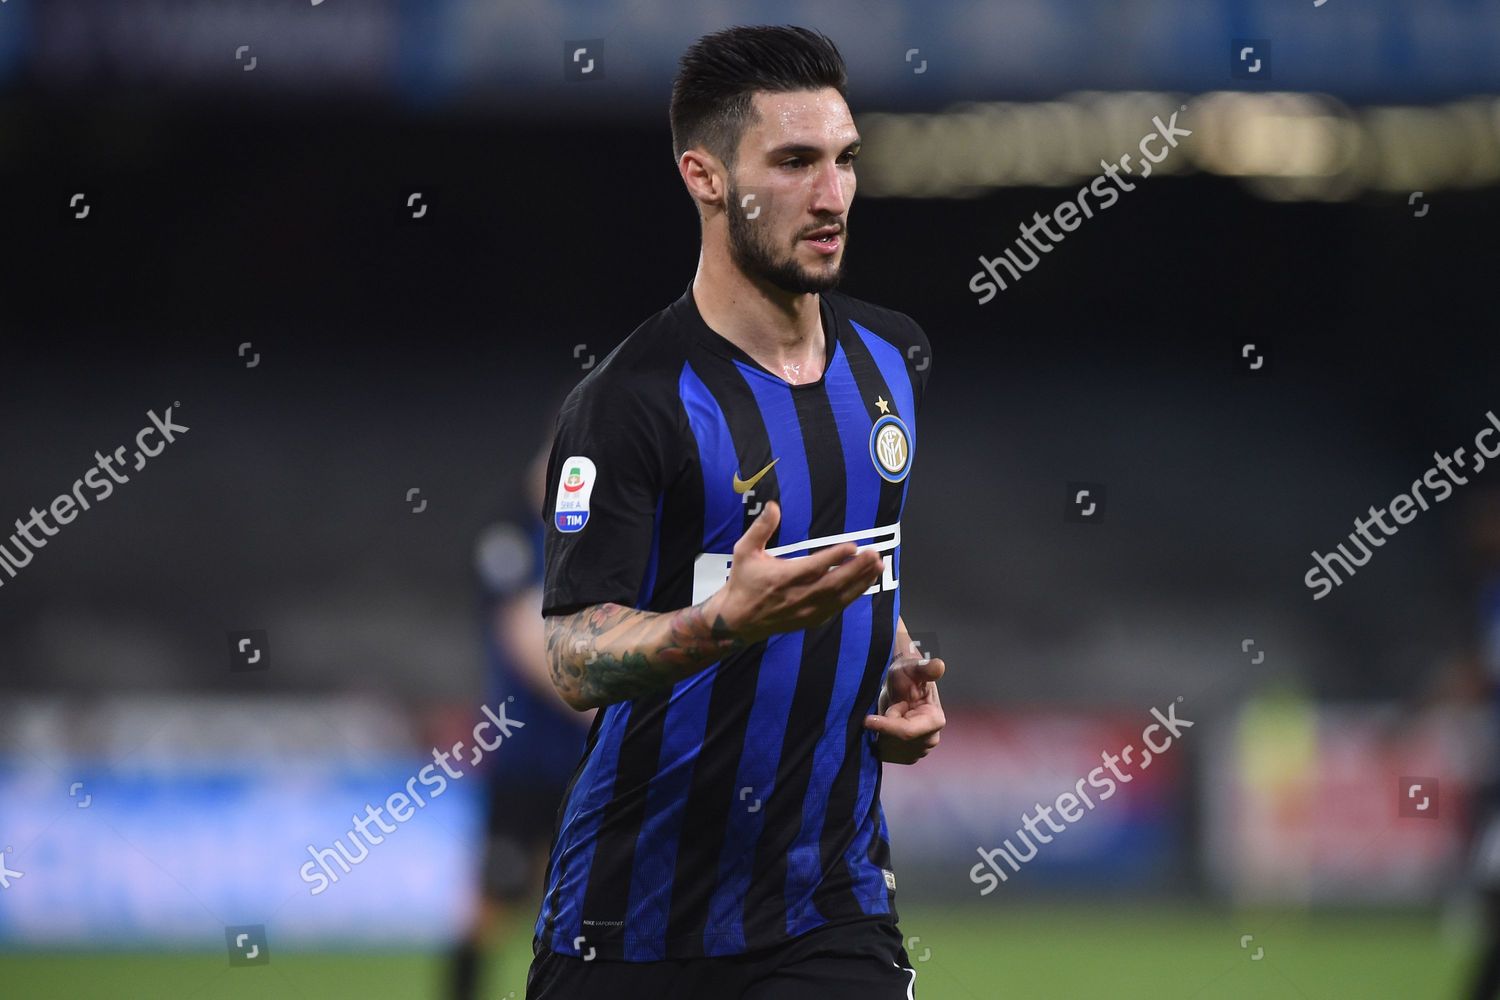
(975,952)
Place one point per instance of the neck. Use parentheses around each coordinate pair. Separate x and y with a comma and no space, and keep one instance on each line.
(782,331)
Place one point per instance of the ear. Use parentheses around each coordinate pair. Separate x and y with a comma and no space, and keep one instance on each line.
(705,177)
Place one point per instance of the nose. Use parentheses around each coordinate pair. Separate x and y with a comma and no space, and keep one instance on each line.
(831,192)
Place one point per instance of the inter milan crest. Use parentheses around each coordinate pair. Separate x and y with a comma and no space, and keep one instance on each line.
(890,448)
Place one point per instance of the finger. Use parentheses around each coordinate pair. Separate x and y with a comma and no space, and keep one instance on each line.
(898,685)
(814,567)
(899,727)
(761,529)
(861,581)
(831,600)
(921,673)
(827,588)
(893,750)
(855,575)
(925,717)
(822,600)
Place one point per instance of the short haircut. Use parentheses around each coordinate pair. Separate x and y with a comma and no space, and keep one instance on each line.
(721,72)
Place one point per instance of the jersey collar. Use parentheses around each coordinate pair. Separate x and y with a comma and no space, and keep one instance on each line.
(702,333)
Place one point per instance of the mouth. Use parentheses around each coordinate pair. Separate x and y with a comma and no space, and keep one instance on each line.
(826,240)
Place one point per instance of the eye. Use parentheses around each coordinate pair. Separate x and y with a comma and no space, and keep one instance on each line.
(849,157)
(794,162)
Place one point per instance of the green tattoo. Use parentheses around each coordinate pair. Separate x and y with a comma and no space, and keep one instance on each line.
(609,653)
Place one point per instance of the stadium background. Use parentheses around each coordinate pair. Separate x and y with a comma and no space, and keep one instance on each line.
(1264,855)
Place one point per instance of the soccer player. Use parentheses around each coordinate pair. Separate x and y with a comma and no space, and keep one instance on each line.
(722,580)
(1479,681)
(527,781)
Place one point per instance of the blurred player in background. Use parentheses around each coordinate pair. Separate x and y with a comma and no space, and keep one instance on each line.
(526,783)
(1482,684)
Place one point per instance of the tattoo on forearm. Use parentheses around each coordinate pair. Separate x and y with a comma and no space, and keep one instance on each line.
(609,653)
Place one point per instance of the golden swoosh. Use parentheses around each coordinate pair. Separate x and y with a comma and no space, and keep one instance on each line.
(741,485)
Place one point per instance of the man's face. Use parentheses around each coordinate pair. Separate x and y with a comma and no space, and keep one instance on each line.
(794,180)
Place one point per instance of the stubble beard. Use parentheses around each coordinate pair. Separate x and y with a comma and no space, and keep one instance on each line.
(753,253)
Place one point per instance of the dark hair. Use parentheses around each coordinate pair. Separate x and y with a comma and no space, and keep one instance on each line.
(719,74)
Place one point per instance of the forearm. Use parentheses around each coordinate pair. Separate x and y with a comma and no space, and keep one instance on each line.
(608,652)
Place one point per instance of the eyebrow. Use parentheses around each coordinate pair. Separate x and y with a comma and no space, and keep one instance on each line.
(802,148)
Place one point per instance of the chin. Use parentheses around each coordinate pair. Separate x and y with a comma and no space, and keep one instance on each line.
(823,267)
(831,274)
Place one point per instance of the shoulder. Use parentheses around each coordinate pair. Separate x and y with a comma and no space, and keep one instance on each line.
(635,372)
(892,326)
(628,400)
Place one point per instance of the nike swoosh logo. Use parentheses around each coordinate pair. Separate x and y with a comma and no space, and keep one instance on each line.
(741,485)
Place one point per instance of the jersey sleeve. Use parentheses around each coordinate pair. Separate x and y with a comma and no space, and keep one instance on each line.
(604,476)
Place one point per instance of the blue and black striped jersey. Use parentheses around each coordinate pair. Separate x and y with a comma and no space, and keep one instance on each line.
(742,807)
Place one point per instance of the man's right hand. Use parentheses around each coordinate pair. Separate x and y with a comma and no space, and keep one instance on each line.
(766,595)
(607,653)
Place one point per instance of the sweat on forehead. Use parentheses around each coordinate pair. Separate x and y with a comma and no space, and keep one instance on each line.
(805,118)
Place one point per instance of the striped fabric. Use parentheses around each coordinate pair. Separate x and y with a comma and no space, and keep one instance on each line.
(742,807)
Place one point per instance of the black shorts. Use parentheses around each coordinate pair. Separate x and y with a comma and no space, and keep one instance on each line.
(519,820)
(860,960)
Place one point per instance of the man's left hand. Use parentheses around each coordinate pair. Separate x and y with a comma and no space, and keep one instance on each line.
(911,714)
